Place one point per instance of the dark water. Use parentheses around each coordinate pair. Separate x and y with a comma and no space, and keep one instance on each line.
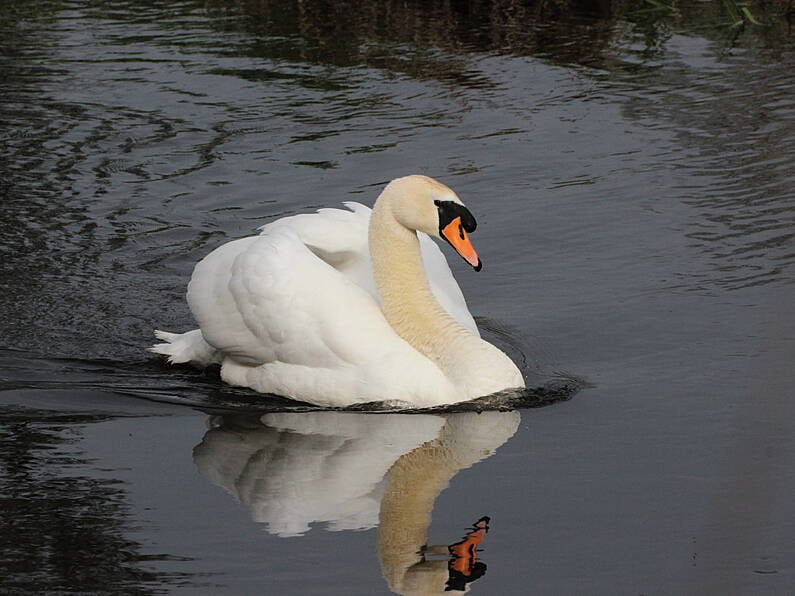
(632,172)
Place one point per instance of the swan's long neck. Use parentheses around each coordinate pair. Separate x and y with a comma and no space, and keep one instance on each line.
(406,298)
(473,366)
(414,482)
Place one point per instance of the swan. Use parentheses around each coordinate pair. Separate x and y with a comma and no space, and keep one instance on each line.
(296,471)
(347,306)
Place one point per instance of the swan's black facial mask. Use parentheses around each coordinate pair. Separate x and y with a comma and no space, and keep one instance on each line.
(449,210)
(455,222)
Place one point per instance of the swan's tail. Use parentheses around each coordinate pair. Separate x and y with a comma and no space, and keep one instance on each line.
(187,347)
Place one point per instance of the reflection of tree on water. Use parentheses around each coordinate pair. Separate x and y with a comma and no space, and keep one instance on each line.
(353,471)
(62,530)
(430,38)
(407,36)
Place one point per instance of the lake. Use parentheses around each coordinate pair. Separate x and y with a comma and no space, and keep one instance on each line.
(631,169)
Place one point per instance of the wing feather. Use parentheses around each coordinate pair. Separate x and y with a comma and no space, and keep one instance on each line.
(269,298)
(340,237)
(302,293)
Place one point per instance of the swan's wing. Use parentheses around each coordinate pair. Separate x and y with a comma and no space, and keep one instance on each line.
(340,238)
(269,298)
(302,292)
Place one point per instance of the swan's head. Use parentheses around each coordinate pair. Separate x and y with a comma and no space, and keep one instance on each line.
(421,203)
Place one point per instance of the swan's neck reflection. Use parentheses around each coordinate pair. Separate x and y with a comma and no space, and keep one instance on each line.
(353,471)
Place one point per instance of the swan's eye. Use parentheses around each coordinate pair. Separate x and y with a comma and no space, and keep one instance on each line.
(449,211)
(461,231)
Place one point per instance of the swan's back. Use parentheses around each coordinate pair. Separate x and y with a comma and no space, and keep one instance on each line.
(340,238)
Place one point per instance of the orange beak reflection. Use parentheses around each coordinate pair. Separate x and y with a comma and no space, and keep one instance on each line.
(457,236)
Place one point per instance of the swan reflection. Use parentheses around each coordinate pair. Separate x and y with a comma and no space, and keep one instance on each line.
(353,471)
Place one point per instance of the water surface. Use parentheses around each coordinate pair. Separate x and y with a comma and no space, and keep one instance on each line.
(632,176)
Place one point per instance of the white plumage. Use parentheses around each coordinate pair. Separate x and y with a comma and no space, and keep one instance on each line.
(297,311)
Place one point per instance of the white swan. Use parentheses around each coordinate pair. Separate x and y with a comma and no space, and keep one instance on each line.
(296,470)
(354,471)
(343,307)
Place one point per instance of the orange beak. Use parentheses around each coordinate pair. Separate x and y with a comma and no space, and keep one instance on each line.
(465,551)
(458,238)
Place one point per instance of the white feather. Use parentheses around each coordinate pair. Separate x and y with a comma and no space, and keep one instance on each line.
(295,311)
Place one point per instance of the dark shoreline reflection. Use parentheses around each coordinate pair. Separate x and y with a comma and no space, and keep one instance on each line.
(431,39)
(352,471)
(63,528)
